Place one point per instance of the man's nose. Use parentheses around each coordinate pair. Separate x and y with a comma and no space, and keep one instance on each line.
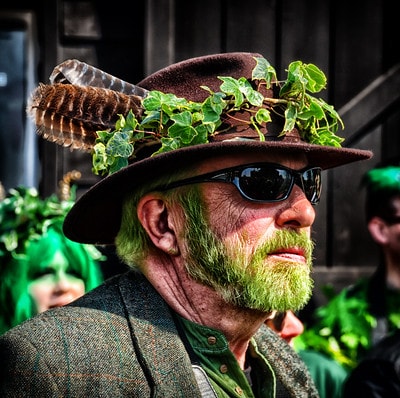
(296,211)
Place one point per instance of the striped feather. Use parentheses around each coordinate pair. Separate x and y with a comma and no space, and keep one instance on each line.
(70,115)
(79,73)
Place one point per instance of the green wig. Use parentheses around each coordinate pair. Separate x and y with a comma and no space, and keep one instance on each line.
(382,184)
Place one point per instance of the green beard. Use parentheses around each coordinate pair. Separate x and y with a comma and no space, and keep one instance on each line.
(245,281)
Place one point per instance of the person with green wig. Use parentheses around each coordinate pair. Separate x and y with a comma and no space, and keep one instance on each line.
(356,319)
(39,267)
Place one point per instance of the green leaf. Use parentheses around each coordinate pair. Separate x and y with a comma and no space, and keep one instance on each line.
(263,116)
(119,145)
(202,132)
(314,110)
(152,118)
(103,136)
(183,134)
(254,97)
(153,101)
(290,117)
(231,86)
(118,163)
(316,80)
(264,71)
(182,119)
(99,159)
(131,121)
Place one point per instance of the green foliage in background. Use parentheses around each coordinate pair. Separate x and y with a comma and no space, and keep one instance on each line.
(342,328)
(25,216)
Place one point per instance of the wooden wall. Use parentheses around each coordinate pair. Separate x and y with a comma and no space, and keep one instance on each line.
(354,42)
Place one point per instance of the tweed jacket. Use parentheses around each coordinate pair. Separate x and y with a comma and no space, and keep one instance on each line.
(119,340)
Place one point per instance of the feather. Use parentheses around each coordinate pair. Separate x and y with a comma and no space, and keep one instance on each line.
(70,114)
(79,73)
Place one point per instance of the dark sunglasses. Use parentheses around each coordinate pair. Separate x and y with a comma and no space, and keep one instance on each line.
(262,182)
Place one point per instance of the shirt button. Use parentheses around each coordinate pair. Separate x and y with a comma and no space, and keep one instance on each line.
(212,340)
(238,390)
(223,368)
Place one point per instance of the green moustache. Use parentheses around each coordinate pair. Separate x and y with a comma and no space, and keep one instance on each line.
(286,239)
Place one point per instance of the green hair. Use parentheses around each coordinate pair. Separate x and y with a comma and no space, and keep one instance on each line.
(383,178)
(382,185)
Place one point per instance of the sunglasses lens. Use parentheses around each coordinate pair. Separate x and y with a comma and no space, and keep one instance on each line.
(312,184)
(265,183)
(270,184)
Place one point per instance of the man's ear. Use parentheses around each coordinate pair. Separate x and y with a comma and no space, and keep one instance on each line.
(157,220)
(378,230)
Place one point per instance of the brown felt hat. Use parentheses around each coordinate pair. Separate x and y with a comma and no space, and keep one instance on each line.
(95,218)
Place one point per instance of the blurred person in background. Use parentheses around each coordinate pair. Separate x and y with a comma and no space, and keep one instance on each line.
(327,374)
(378,373)
(361,315)
(39,267)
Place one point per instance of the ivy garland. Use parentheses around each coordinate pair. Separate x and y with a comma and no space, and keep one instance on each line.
(173,122)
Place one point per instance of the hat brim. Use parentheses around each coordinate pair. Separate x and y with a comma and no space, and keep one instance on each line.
(95,218)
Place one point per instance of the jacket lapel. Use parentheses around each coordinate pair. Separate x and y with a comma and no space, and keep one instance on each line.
(156,340)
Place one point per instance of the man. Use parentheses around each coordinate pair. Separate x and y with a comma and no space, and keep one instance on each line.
(213,214)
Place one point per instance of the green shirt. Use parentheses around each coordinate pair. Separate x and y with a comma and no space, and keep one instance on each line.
(227,378)
(328,375)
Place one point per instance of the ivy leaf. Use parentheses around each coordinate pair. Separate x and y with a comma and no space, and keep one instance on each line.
(263,116)
(183,119)
(99,159)
(202,132)
(290,118)
(103,136)
(10,240)
(130,122)
(315,110)
(232,87)
(153,101)
(118,163)
(264,71)
(212,109)
(316,79)
(119,145)
(152,118)
(25,216)
(168,144)
(183,134)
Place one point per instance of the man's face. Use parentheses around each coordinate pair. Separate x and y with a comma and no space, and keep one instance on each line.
(257,256)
